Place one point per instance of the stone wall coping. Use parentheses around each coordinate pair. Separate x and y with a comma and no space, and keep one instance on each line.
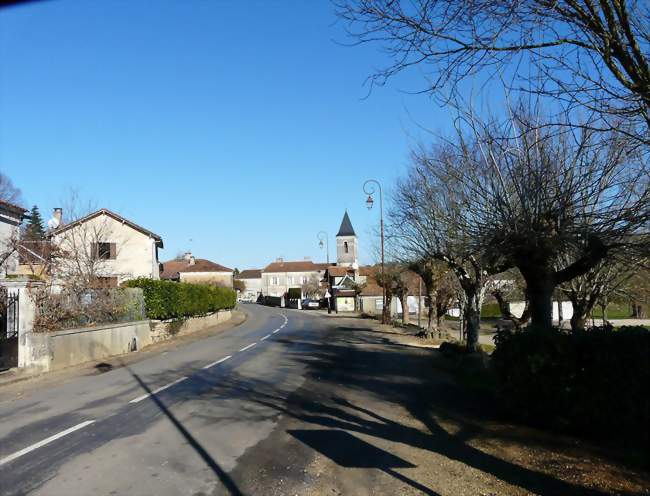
(80,330)
(167,321)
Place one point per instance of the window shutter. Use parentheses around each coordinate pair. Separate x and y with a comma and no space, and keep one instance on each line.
(113,251)
(94,251)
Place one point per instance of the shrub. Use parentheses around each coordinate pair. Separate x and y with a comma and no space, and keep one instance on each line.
(592,382)
(490,310)
(174,300)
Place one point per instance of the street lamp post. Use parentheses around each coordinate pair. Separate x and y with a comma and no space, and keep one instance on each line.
(369,188)
(322,235)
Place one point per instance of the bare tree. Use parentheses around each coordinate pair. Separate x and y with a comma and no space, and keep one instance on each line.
(439,291)
(600,284)
(586,55)
(312,288)
(8,192)
(550,201)
(429,220)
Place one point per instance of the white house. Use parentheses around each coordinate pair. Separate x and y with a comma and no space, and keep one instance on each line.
(252,280)
(113,248)
(279,276)
(198,271)
(11,216)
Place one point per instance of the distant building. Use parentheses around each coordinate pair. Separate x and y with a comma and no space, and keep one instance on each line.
(197,270)
(252,280)
(279,276)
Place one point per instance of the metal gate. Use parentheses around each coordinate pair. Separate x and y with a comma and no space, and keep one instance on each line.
(8,329)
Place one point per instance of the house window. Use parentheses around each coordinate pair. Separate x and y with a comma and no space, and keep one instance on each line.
(104,251)
(289,280)
(303,280)
(274,281)
(345,246)
(379,304)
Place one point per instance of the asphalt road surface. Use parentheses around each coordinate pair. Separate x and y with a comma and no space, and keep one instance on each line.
(158,426)
(288,403)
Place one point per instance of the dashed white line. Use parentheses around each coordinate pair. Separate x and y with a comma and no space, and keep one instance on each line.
(217,362)
(248,347)
(277,330)
(156,391)
(42,443)
(265,337)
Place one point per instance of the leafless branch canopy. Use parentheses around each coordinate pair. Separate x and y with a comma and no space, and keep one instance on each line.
(587,55)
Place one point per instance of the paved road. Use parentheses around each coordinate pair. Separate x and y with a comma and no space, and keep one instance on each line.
(288,403)
(108,434)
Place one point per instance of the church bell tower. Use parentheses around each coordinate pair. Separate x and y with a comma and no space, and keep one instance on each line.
(346,244)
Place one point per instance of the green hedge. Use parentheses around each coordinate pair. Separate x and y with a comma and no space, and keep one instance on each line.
(490,310)
(593,382)
(172,300)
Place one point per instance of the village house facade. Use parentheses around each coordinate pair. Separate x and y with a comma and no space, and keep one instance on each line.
(114,248)
(280,276)
(252,281)
(197,271)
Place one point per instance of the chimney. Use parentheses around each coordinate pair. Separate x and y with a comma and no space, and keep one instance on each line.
(279,260)
(57,218)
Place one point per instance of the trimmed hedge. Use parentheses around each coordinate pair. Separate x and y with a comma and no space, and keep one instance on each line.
(173,300)
(593,382)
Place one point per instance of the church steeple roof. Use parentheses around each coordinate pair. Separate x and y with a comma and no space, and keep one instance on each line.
(346,228)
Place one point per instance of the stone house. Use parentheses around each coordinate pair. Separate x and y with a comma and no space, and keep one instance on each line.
(252,280)
(197,271)
(280,276)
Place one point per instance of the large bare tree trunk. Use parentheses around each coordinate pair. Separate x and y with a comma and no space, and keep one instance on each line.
(540,287)
(472,316)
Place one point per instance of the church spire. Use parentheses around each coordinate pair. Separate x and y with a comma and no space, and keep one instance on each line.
(346,228)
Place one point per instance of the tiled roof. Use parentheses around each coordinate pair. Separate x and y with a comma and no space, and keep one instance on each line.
(371,288)
(299,266)
(250,274)
(119,218)
(335,271)
(172,268)
(10,207)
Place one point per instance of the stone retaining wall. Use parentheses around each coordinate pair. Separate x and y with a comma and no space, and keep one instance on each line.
(162,330)
(47,351)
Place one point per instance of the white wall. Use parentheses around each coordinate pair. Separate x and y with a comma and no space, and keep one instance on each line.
(253,287)
(221,278)
(8,231)
(283,283)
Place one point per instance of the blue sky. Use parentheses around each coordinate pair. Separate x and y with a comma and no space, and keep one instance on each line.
(241,126)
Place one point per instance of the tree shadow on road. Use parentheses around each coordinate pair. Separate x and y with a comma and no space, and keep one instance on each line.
(221,474)
(359,363)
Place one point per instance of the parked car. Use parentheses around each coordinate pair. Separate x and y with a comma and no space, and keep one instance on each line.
(309,304)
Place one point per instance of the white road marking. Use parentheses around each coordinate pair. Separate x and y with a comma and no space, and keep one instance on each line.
(156,391)
(217,362)
(42,443)
(277,330)
(265,337)
(248,347)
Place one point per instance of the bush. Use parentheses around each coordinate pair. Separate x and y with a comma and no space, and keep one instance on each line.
(490,310)
(174,300)
(592,382)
